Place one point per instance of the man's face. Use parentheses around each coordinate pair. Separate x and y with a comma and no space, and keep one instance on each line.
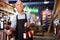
(19,6)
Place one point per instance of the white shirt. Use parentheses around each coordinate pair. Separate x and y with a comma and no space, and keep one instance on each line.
(20,16)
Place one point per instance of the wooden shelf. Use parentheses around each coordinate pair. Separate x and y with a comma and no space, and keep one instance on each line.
(6,3)
(6,7)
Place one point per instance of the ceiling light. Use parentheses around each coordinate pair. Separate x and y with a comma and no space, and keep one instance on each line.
(46,2)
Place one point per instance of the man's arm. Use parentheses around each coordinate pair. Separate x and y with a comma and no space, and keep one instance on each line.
(12,27)
(13,23)
(29,20)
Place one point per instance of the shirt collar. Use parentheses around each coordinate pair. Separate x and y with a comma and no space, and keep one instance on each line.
(21,14)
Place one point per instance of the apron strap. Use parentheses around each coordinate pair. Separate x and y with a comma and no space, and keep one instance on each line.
(25,16)
(16,18)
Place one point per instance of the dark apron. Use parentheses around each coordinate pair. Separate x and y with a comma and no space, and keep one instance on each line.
(20,28)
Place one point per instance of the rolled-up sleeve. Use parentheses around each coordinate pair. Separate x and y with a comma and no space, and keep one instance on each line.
(29,18)
(13,21)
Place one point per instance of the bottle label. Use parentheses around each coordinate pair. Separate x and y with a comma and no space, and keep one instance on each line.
(29,34)
(24,35)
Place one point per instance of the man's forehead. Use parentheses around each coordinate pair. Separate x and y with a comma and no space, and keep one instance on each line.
(19,2)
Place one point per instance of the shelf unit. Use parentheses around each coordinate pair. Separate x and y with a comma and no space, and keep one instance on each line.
(6,7)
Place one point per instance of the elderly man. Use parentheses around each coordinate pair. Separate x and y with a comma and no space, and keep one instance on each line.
(20,22)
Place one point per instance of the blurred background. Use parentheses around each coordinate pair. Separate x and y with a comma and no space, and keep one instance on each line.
(45,14)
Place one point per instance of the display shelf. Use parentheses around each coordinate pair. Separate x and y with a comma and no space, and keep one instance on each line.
(6,7)
(10,12)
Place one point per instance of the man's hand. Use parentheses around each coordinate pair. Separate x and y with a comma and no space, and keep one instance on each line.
(27,24)
(8,32)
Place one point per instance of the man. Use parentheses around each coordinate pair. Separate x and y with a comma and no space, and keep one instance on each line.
(20,21)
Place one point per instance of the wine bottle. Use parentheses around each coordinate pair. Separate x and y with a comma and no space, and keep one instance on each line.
(25,34)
